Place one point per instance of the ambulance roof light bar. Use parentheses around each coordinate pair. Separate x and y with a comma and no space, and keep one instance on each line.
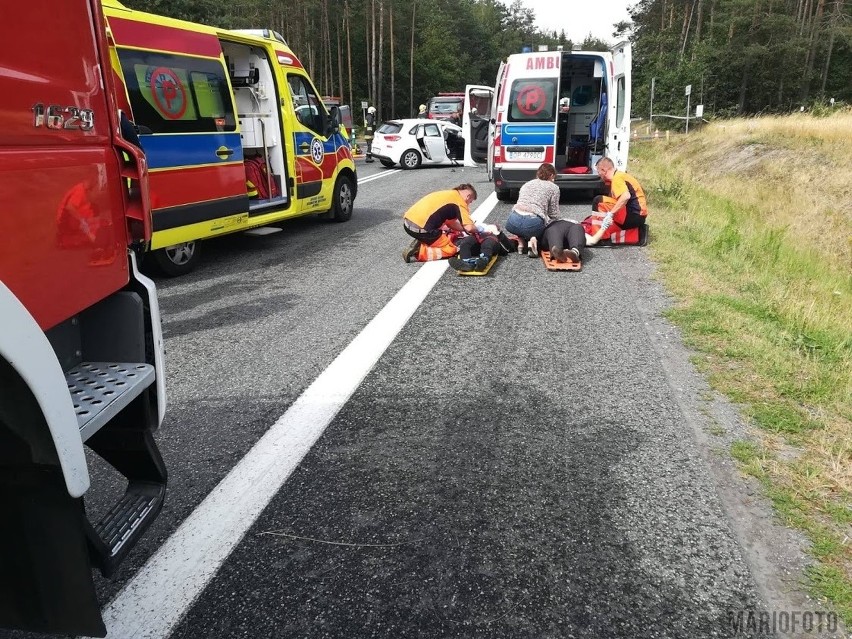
(269,34)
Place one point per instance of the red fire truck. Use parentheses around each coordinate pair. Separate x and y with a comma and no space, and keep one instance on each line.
(81,356)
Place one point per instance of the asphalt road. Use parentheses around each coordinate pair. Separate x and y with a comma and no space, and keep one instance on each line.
(516,464)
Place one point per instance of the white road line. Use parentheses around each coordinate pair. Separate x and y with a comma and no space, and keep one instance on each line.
(157,597)
(376,176)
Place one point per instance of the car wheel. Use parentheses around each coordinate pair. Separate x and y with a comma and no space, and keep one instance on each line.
(343,199)
(502,194)
(387,163)
(410,159)
(176,260)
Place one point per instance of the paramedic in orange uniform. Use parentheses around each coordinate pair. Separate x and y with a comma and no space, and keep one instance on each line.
(426,219)
(625,206)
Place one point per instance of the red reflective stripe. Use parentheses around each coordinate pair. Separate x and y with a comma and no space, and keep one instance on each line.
(130,33)
(185,186)
(289,54)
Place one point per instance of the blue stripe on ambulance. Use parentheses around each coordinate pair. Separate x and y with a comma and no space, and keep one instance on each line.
(304,140)
(169,150)
(528,134)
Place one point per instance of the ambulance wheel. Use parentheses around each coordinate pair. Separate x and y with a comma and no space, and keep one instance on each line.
(387,163)
(410,159)
(343,199)
(176,260)
(502,194)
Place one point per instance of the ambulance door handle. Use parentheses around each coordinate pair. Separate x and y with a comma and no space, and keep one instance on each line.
(224,152)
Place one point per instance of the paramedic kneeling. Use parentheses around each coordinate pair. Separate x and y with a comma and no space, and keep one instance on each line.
(426,220)
(625,206)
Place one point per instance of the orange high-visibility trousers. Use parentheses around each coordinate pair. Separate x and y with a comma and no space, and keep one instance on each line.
(440,249)
(605,204)
(614,233)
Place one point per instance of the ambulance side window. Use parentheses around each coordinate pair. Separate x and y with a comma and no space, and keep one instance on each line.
(619,109)
(309,108)
(533,100)
(177,94)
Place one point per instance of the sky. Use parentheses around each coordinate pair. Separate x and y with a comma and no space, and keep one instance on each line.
(579,17)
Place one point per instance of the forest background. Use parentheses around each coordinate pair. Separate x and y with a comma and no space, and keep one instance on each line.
(740,57)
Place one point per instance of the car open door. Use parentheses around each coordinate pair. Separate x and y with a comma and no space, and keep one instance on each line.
(492,120)
(476,115)
(433,143)
(618,135)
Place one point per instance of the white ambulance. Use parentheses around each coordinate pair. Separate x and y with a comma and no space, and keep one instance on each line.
(568,108)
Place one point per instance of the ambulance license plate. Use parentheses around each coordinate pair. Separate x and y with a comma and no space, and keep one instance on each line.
(535,154)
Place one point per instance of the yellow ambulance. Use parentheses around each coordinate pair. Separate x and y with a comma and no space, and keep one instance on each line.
(235,133)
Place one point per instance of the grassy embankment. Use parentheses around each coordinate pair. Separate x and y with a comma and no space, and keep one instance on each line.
(751,226)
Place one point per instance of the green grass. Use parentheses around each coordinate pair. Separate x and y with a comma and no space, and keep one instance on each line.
(769,317)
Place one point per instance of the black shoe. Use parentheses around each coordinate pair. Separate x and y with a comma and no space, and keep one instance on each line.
(368,159)
(572,255)
(507,245)
(409,254)
(481,263)
(461,265)
(558,255)
(643,235)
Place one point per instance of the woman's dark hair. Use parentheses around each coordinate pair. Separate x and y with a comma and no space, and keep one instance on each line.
(546,171)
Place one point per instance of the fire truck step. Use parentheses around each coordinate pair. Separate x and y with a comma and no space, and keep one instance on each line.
(101,389)
(114,535)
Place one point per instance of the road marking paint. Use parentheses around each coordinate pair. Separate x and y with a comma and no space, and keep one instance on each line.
(152,603)
(377,176)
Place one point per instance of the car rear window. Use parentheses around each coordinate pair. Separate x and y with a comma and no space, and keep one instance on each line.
(390,127)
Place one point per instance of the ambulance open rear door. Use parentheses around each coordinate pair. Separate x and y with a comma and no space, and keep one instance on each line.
(492,122)
(476,117)
(618,137)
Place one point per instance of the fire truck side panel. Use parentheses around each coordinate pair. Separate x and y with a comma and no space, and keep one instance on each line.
(55,162)
(81,354)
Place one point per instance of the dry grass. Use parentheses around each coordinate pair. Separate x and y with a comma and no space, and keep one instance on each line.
(753,233)
(795,169)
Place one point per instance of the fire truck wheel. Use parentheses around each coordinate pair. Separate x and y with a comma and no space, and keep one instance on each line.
(343,199)
(176,260)
(410,159)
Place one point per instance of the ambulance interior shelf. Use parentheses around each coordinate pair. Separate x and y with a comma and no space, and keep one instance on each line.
(581,87)
(243,81)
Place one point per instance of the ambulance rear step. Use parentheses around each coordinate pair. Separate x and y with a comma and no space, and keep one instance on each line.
(102,393)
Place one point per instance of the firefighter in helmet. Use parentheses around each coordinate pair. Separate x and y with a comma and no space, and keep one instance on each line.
(369,129)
